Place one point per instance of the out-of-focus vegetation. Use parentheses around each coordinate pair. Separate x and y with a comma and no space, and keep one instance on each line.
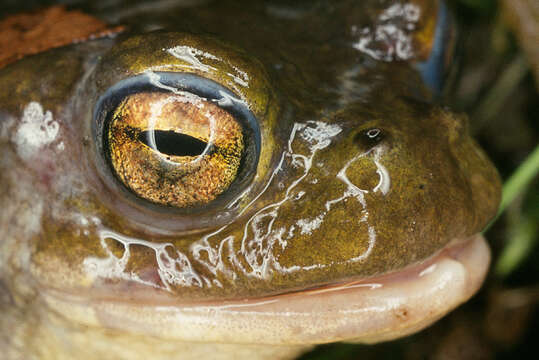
(495,85)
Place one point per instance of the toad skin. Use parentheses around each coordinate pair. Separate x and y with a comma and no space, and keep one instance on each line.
(353,216)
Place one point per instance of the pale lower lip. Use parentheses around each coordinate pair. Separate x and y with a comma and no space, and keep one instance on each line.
(379,309)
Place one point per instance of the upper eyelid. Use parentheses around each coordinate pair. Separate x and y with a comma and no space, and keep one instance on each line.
(153,52)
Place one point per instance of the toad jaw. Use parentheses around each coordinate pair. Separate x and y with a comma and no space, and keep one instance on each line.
(368,311)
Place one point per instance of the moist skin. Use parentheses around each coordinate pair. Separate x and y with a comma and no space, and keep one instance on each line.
(369,310)
(379,309)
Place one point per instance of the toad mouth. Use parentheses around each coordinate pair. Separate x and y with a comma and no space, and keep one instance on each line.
(369,310)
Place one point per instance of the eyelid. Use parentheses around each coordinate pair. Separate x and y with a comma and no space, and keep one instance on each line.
(157,52)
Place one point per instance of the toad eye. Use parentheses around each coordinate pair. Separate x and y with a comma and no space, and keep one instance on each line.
(174,150)
(182,143)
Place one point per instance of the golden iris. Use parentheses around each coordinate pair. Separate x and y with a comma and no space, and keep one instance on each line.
(177,149)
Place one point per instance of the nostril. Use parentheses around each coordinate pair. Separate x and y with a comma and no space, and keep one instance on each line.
(368,138)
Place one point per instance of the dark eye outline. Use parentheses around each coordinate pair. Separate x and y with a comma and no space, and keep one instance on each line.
(196,85)
(374,134)
(369,138)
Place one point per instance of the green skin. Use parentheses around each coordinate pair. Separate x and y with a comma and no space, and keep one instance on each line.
(304,75)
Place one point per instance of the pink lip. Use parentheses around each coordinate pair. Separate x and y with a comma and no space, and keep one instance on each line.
(377,309)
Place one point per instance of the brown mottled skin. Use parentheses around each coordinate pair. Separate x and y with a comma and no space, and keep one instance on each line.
(300,70)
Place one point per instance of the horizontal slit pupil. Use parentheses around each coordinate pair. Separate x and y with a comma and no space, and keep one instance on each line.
(172,143)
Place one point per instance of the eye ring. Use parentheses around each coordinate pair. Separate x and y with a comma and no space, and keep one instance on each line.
(369,138)
(373,133)
(170,83)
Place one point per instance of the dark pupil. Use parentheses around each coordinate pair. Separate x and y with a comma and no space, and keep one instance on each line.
(173,143)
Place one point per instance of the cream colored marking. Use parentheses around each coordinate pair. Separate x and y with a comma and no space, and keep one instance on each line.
(36,130)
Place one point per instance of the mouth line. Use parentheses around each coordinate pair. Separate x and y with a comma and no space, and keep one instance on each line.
(369,310)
